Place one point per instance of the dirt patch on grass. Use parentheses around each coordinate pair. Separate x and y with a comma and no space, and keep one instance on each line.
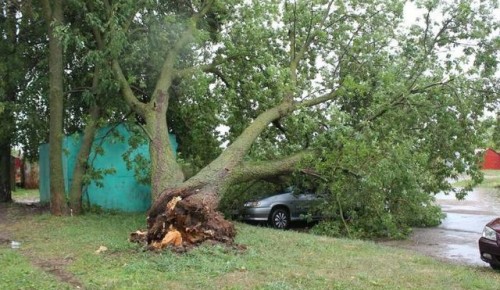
(4,221)
(237,279)
(9,213)
(4,238)
(57,268)
(3,212)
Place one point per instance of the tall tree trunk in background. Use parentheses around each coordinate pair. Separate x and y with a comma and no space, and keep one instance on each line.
(5,187)
(54,16)
(75,193)
(6,115)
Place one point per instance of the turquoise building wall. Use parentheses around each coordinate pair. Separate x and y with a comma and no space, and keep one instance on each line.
(120,190)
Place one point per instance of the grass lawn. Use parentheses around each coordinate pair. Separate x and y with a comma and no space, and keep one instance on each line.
(25,194)
(60,253)
(491,180)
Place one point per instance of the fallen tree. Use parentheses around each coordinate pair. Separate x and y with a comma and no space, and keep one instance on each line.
(297,84)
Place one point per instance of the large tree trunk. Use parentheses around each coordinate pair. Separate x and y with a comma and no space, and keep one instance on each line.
(190,210)
(6,115)
(5,167)
(187,211)
(165,171)
(54,15)
(75,193)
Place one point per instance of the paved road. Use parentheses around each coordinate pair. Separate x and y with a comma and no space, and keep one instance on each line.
(456,238)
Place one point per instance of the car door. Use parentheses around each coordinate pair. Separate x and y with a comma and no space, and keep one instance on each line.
(300,205)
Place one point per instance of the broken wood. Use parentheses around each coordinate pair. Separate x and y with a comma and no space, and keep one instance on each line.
(183,218)
(172,238)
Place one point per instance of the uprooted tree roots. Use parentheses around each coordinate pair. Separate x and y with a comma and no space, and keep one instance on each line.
(183,218)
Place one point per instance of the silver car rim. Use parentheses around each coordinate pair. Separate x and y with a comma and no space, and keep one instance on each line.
(280,220)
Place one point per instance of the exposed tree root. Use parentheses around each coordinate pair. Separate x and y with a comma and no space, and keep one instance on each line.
(183,218)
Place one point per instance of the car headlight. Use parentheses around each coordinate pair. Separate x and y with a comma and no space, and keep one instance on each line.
(489,233)
(252,204)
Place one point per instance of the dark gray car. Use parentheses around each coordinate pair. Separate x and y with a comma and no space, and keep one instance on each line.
(280,209)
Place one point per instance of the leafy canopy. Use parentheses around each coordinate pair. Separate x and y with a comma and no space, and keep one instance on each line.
(407,108)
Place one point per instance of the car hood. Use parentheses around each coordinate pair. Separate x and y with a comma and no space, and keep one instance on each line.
(495,224)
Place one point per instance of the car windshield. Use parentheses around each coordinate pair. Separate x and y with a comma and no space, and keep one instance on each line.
(290,189)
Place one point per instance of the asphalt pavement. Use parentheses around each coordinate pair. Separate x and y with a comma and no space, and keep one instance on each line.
(456,239)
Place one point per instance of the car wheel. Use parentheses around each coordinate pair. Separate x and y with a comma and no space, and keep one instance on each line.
(279,218)
(495,266)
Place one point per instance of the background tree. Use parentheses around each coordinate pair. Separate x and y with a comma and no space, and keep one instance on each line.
(492,136)
(53,11)
(17,57)
(91,95)
(7,94)
(87,93)
(496,133)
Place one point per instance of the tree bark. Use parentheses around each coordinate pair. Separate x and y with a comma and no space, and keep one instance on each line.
(165,171)
(261,170)
(5,167)
(75,194)
(54,16)
(6,115)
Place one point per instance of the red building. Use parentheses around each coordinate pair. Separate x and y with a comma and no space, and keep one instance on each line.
(24,174)
(491,159)
(18,167)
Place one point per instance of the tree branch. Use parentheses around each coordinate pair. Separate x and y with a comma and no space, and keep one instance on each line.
(211,68)
(318,100)
(168,69)
(403,96)
(420,90)
(222,167)
(427,26)
(297,56)
(310,39)
(259,170)
(127,92)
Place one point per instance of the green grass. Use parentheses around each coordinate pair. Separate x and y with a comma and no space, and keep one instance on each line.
(273,260)
(25,194)
(491,180)
(18,273)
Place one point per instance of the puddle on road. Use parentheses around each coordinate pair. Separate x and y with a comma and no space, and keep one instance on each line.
(471,223)
(456,238)
(466,254)
(480,200)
